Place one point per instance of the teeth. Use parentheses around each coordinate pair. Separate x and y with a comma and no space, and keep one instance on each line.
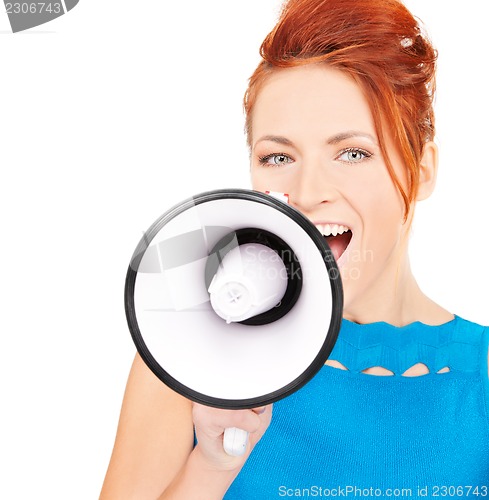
(332,229)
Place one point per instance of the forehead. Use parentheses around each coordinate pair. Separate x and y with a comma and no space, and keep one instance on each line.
(312,100)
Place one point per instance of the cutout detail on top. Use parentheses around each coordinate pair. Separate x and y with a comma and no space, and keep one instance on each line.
(379,371)
(417,370)
(336,364)
(445,369)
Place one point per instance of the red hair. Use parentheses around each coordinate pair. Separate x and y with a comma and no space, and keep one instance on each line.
(382,46)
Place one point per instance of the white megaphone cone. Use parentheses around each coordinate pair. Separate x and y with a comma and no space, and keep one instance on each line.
(234,300)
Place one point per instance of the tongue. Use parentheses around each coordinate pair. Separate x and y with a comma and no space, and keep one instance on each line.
(338,243)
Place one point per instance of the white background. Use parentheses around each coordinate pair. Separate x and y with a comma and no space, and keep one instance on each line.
(110,115)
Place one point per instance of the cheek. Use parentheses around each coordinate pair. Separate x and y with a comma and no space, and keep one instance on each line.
(384,225)
(380,207)
(266,179)
(257,180)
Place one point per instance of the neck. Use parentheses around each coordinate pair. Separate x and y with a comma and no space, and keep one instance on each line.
(396,299)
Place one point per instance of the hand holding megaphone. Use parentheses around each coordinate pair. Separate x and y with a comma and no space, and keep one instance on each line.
(211,425)
(234,300)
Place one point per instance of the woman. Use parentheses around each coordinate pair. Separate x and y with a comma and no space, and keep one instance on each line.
(339,116)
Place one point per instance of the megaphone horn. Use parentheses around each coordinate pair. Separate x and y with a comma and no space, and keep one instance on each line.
(233,299)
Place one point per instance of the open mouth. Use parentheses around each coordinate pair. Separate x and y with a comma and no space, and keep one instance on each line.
(337,237)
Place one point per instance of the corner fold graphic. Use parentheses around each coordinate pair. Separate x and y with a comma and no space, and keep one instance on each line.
(25,15)
(70,4)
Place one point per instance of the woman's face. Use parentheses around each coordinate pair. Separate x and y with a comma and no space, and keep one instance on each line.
(314,139)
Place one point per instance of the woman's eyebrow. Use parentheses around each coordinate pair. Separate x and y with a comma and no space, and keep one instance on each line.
(333,140)
(342,136)
(275,138)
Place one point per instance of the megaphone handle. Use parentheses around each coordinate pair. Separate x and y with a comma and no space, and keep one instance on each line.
(235,441)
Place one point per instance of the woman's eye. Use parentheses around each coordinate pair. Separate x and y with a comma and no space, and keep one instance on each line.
(354,155)
(275,159)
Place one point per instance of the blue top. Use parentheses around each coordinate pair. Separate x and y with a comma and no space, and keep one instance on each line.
(350,434)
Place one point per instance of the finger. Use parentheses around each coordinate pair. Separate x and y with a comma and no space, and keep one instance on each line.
(216,420)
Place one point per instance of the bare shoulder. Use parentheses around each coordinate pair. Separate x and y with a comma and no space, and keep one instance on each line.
(154,438)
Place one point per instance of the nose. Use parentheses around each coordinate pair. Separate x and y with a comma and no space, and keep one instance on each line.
(314,186)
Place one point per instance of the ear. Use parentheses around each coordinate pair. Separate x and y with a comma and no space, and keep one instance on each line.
(428,169)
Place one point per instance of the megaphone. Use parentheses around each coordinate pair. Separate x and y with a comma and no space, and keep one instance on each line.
(234,300)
